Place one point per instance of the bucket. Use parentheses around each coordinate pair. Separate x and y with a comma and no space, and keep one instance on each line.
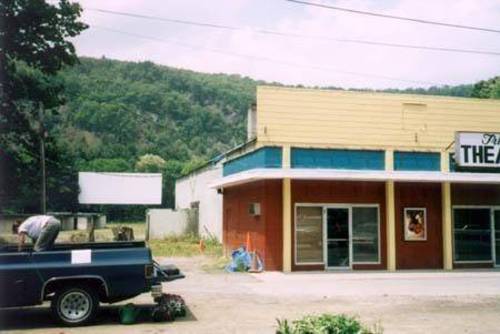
(128,314)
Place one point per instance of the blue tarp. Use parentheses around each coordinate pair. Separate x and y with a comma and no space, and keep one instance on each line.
(241,260)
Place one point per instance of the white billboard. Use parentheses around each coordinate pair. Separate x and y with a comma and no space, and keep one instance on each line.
(477,149)
(119,188)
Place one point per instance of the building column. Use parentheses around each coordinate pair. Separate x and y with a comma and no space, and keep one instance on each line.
(447,234)
(390,213)
(446,215)
(390,225)
(287,214)
(287,225)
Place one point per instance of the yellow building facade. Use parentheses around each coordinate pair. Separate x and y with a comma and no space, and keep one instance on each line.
(367,181)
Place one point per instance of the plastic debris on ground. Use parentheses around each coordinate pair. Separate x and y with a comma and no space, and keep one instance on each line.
(168,308)
(243,261)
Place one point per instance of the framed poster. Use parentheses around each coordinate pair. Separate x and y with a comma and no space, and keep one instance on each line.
(415,224)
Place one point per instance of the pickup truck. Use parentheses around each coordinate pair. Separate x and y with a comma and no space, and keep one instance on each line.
(77,277)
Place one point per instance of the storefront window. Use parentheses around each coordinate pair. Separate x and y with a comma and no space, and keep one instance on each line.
(472,231)
(309,235)
(365,236)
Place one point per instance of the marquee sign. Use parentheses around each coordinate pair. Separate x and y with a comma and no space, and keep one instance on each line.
(477,149)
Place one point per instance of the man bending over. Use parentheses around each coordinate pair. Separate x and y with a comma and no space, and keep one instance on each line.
(42,230)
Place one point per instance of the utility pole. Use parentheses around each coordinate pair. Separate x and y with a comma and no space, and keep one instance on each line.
(43,204)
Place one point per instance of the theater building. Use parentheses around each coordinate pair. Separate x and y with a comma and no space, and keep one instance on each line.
(338,180)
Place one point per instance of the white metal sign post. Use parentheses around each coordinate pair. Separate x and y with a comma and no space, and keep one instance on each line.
(477,149)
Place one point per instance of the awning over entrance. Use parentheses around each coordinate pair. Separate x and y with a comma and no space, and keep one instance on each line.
(352,175)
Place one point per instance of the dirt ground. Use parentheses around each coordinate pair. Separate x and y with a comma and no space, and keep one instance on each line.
(407,302)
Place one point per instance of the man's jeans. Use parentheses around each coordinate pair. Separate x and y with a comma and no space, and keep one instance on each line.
(48,235)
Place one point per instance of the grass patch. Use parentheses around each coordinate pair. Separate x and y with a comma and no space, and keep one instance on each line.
(326,324)
(126,223)
(186,245)
(216,265)
(138,227)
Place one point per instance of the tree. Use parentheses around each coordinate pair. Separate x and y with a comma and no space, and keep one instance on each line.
(105,165)
(487,89)
(150,163)
(33,49)
(172,171)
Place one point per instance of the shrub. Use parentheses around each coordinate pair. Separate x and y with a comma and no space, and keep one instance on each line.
(325,324)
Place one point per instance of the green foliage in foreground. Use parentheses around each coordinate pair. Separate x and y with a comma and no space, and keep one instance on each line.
(324,324)
(35,46)
(186,245)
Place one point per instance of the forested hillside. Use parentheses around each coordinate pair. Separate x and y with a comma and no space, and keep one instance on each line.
(122,110)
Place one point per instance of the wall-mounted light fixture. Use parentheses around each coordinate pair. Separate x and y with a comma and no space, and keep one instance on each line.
(254,209)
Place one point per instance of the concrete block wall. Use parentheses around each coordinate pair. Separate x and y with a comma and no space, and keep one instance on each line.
(167,222)
(195,189)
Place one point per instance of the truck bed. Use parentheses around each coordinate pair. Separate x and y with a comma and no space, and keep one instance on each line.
(11,248)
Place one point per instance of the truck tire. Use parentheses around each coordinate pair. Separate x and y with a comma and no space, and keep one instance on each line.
(75,305)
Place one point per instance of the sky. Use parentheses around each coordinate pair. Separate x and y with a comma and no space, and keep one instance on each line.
(306,61)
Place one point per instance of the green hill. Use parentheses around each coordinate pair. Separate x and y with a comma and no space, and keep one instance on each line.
(124,110)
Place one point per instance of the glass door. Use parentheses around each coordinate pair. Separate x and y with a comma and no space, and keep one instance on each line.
(309,235)
(496,220)
(338,250)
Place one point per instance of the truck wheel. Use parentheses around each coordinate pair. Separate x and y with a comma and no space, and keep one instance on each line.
(75,306)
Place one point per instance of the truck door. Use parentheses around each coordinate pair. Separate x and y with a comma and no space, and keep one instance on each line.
(20,284)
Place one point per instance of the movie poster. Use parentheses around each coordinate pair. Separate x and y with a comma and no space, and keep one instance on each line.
(415,224)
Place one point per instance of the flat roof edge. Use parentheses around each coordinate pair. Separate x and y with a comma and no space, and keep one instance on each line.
(380,93)
(351,175)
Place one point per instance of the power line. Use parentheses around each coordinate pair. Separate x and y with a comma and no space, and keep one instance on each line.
(265,59)
(163,19)
(395,17)
(294,35)
(420,47)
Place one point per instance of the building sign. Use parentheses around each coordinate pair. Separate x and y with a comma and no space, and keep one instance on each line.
(477,149)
